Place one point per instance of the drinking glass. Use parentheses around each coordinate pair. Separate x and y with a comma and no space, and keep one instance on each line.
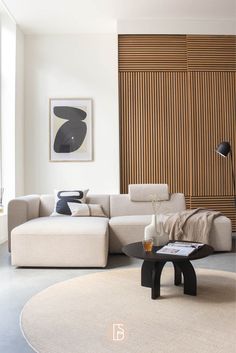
(148,244)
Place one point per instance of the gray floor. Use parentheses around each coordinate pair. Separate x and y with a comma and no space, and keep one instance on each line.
(19,284)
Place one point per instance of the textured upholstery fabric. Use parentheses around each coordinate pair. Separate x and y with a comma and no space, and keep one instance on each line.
(46,205)
(129,229)
(21,210)
(122,206)
(126,229)
(89,210)
(61,242)
(221,234)
(40,240)
(148,192)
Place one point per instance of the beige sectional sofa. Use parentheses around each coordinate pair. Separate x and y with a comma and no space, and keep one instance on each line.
(36,239)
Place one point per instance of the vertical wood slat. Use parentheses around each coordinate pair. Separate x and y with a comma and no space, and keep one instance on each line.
(166,116)
(213,119)
(154,129)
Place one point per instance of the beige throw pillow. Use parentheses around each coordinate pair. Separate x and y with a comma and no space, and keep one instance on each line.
(87,210)
(82,209)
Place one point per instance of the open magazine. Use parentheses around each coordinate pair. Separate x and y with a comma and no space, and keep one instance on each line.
(179,248)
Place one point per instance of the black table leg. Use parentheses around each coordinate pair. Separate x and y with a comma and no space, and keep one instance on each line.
(190,280)
(156,279)
(178,274)
(146,273)
(151,276)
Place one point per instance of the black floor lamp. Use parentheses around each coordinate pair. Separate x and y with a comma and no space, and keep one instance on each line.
(224,149)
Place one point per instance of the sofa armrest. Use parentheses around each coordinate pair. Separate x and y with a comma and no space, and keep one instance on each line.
(221,234)
(21,210)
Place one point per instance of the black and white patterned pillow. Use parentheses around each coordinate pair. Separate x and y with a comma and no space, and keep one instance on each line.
(63,197)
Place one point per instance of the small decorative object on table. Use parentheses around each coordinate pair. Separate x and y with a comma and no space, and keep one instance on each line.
(1,200)
(155,229)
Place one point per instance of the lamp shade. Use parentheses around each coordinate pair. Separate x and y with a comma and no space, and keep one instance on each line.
(224,148)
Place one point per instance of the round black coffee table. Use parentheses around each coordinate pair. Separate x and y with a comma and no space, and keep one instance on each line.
(153,264)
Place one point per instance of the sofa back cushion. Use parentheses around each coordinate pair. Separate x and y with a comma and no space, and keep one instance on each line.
(148,192)
(47,203)
(120,205)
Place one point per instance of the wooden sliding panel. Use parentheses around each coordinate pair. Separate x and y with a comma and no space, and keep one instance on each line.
(211,53)
(152,53)
(212,97)
(154,129)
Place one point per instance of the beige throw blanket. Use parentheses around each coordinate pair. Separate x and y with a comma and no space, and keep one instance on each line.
(192,225)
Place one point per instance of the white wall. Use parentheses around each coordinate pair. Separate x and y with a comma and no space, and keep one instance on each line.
(8,71)
(12,84)
(70,66)
(177,26)
(19,121)
(11,113)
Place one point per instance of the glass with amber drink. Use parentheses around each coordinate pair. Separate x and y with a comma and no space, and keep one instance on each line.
(148,244)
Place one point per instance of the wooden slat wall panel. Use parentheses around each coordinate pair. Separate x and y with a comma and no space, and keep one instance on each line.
(188,202)
(152,53)
(171,118)
(211,53)
(154,129)
(224,204)
(213,119)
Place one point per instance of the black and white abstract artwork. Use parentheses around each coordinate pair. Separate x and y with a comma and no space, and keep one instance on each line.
(70,130)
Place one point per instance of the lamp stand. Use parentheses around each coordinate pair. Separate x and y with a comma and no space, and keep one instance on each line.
(233,177)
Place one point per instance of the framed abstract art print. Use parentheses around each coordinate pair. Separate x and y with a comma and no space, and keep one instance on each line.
(70,130)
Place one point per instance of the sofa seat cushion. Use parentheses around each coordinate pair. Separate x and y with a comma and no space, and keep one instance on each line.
(130,229)
(61,242)
(125,230)
(63,225)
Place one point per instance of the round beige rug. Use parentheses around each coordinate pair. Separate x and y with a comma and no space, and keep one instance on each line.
(109,312)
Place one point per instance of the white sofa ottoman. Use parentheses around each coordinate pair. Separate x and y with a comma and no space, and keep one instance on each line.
(38,240)
(61,242)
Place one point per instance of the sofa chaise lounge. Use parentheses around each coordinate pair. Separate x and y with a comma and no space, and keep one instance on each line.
(38,240)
